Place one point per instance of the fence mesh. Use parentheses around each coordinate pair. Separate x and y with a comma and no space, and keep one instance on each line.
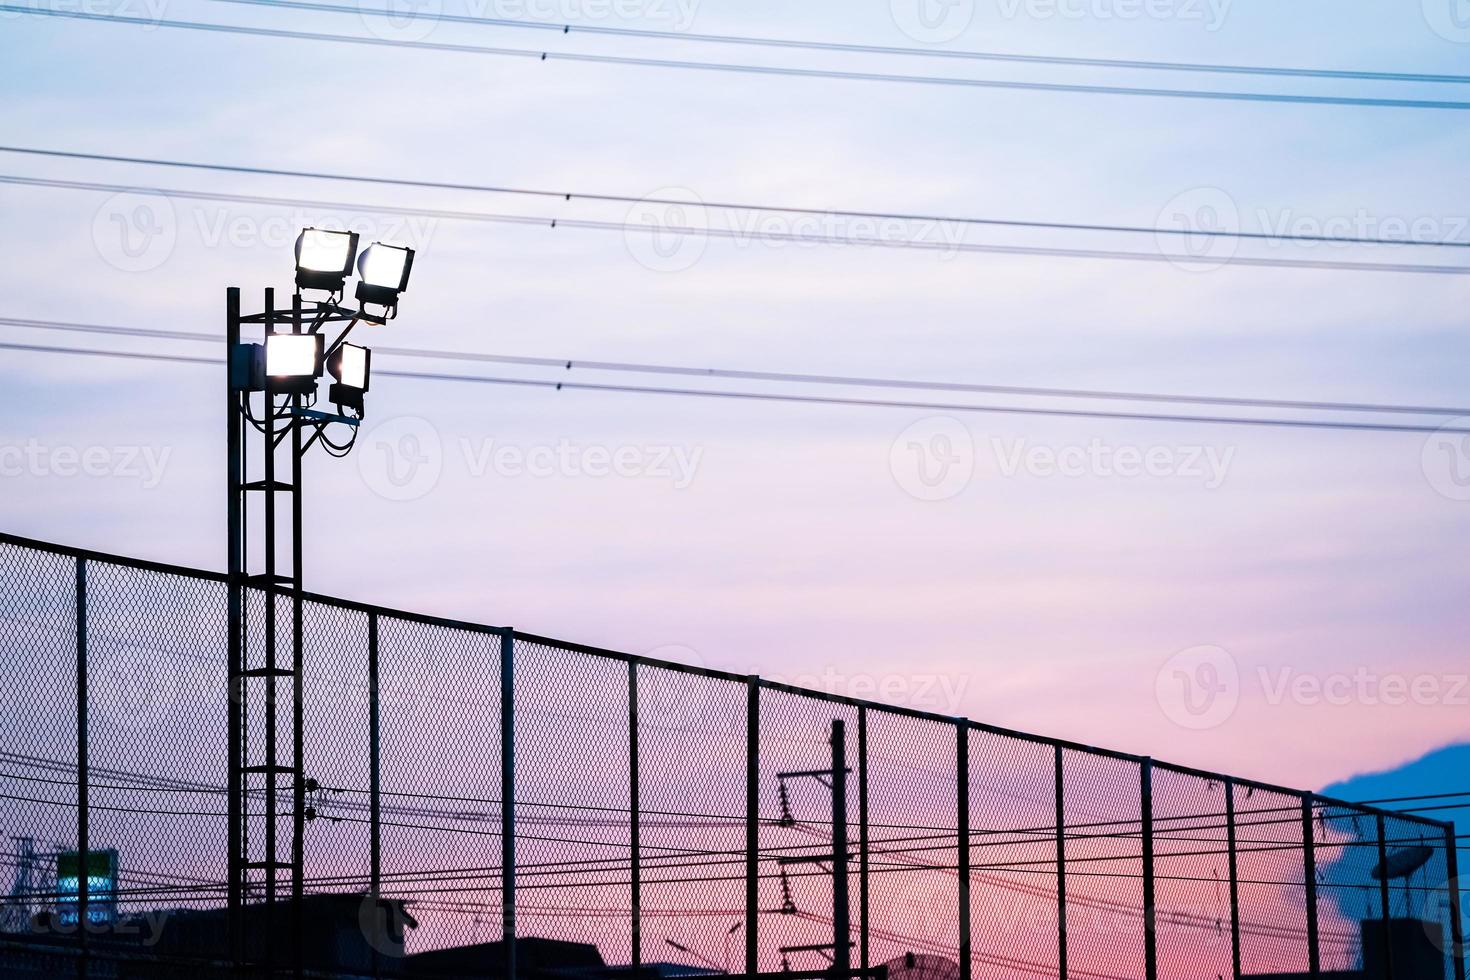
(637,786)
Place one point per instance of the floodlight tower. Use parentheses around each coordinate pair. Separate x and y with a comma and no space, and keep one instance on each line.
(283,370)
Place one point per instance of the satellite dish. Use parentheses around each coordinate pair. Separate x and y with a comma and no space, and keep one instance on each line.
(922,966)
(1402,863)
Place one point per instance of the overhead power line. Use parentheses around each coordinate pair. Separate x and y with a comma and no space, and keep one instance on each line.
(776,70)
(1354,74)
(787,377)
(757,396)
(734,206)
(738,234)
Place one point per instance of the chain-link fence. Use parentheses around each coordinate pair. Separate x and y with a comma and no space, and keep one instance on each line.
(666,819)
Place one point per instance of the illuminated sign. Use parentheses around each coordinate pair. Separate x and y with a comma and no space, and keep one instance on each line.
(100,867)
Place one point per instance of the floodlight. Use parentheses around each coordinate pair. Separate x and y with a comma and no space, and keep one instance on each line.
(324,258)
(351,365)
(384,270)
(293,361)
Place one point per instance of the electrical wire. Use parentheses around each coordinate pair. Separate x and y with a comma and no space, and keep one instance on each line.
(923,245)
(786,377)
(727,67)
(753,396)
(875,49)
(734,206)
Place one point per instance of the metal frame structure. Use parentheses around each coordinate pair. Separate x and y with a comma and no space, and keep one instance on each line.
(285,418)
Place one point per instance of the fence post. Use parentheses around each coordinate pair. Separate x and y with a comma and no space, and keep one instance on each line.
(1457,924)
(1150,913)
(752,820)
(234,626)
(841,881)
(634,847)
(1061,799)
(962,768)
(375,786)
(1309,878)
(1384,901)
(83,787)
(1234,876)
(863,836)
(507,804)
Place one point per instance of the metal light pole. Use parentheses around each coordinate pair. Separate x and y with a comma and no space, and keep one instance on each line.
(284,369)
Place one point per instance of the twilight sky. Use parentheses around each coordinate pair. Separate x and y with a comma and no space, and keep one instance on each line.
(1282,604)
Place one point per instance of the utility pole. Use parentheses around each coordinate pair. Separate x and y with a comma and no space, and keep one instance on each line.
(835,779)
(284,369)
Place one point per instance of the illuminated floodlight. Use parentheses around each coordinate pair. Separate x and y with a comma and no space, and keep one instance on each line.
(384,270)
(293,361)
(324,259)
(351,365)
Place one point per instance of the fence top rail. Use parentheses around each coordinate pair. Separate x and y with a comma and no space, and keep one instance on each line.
(107,559)
(900,710)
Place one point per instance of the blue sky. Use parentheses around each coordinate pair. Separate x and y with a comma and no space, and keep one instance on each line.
(793,542)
